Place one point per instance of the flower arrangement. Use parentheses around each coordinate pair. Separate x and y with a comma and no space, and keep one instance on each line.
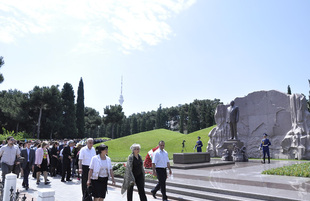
(119,169)
(149,175)
(148,159)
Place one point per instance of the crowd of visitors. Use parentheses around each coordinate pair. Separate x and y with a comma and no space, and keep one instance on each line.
(79,159)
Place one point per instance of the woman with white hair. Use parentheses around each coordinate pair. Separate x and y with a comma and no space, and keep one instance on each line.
(134,174)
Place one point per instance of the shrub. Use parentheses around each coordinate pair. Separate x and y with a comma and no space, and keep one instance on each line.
(18,136)
(297,170)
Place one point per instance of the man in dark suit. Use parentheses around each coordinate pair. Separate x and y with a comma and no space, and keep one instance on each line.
(28,163)
(66,161)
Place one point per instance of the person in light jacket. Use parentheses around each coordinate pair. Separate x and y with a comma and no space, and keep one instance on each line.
(134,174)
(100,169)
(42,160)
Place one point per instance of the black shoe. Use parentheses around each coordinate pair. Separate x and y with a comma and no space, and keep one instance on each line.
(63,180)
(27,187)
(69,179)
(47,182)
(154,195)
(38,183)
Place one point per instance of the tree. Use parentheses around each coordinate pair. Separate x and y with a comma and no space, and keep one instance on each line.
(80,123)
(289,90)
(92,122)
(12,106)
(38,102)
(134,125)
(158,118)
(309,98)
(69,117)
(182,121)
(1,76)
(54,118)
(193,119)
(114,115)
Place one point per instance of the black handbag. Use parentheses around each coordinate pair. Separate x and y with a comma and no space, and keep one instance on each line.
(88,196)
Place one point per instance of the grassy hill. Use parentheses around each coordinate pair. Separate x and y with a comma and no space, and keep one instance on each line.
(119,149)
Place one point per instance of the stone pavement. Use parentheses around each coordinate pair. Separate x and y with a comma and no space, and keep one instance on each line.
(239,178)
(247,177)
(70,191)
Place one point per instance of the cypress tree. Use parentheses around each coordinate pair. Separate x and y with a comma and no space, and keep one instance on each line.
(69,117)
(289,90)
(80,112)
(182,121)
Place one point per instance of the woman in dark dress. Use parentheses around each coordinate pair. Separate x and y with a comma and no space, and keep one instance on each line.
(134,174)
(54,158)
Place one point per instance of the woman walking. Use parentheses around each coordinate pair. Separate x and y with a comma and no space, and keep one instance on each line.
(100,169)
(42,161)
(134,174)
(54,158)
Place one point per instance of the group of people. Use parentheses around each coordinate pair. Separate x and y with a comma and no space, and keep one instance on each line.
(135,172)
(38,157)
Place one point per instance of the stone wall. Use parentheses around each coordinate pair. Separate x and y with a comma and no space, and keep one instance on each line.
(283,117)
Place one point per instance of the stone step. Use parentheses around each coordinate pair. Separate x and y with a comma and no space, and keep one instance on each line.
(184,192)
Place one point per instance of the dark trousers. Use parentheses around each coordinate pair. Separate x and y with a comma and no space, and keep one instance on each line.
(26,175)
(85,170)
(6,169)
(140,185)
(66,168)
(268,154)
(161,176)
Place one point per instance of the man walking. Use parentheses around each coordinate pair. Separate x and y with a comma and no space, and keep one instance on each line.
(85,155)
(160,163)
(8,152)
(28,163)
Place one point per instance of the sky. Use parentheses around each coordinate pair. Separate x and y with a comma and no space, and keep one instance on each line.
(168,52)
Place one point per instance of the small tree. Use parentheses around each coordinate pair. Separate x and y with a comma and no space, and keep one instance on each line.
(114,115)
(289,90)
(80,111)
(1,63)
(69,117)
(309,98)
(182,121)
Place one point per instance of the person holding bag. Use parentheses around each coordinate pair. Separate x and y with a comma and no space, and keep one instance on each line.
(134,174)
(100,169)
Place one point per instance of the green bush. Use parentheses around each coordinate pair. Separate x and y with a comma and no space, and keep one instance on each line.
(17,136)
(297,170)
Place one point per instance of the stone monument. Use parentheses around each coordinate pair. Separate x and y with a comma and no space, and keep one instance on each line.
(283,117)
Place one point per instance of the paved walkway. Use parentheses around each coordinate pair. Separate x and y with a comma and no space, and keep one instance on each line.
(245,177)
(70,191)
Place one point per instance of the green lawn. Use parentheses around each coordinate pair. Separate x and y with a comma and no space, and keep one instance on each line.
(119,149)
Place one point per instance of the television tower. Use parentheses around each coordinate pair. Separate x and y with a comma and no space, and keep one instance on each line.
(121,98)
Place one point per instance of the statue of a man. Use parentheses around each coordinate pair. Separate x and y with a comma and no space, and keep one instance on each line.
(232,119)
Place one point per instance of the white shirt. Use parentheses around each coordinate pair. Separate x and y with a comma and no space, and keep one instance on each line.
(160,158)
(86,155)
(100,167)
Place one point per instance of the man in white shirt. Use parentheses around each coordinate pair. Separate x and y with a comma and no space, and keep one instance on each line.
(160,163)
(85,155)
(8,154)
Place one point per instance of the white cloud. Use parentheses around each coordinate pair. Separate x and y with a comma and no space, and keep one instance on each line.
(130,23)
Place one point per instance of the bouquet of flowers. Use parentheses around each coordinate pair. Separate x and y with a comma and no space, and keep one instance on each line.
(148,159)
